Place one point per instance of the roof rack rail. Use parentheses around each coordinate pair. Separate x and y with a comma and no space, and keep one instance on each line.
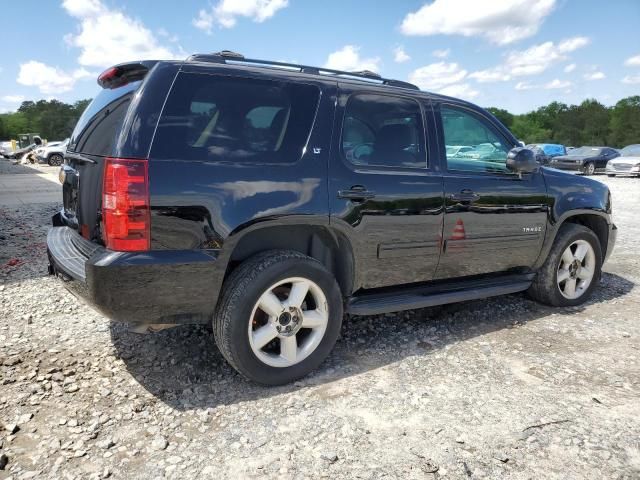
(228,56)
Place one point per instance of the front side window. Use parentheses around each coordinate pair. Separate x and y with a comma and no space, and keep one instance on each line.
(381,130)
(471,144)
(215,118)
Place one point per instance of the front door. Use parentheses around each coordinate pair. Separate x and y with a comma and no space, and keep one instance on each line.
(385,193)
(495,219)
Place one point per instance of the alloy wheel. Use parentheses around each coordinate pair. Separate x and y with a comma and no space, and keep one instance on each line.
(576,269)
(288,322)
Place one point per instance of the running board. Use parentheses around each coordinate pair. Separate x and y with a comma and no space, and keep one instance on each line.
(409,298)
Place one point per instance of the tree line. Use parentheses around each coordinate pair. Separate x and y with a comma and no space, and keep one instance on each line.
(52,119)
(590,123)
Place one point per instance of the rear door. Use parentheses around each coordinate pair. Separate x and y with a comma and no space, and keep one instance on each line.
(385,192)
(495,219)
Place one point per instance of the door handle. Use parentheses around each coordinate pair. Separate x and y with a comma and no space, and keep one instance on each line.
(465,195)
(356,193)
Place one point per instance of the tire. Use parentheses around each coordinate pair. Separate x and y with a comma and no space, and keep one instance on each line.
(240,315)
(55,160)
(589,168)
(546,288)
(610,175)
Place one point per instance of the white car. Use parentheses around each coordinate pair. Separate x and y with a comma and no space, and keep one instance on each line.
(52,153)
(628,163)
(455,150)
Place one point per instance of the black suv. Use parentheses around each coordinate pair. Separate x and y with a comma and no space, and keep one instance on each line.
(270,198)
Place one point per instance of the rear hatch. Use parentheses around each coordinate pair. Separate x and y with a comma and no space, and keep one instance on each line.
(97,135)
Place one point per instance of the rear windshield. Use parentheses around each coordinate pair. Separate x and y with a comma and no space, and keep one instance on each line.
(99,126)
(215,118)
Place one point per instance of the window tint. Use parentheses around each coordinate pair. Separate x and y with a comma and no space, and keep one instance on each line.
(100,124)
(473,144)
(383,130)
(219,118)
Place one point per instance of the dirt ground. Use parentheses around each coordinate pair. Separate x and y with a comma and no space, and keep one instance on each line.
(498,388)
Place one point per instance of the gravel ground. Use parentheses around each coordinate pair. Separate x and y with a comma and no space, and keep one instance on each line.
(496,388)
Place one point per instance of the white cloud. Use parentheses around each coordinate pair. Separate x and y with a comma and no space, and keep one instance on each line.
(594,76)
(490,75)
(570,68)
(572,44)
(226,12)
(13,98)
(633,61)
(557,83)
(461,90)
(400,56)
(538,58)
(348,59)
(444,53)
(500,21)
(631,80)
(524,86)
(49,79)
(437,75)
(108,36)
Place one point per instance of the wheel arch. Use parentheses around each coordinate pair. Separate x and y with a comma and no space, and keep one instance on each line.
(328,246)
(594,220)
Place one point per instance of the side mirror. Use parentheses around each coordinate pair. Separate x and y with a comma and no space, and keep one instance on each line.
(522,160)
(37,141)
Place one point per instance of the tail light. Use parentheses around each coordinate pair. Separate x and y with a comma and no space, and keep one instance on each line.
(125,205)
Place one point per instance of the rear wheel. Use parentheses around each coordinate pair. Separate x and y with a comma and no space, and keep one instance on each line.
(589,168)
(572,269)
(55,160)
(279,317)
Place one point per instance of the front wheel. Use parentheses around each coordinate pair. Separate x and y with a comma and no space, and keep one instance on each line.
(279,316)
(572,268)
(55,160)
(589,168)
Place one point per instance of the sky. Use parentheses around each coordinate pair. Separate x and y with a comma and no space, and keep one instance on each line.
(512,54)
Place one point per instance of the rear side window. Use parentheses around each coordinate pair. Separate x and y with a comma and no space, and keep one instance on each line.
(384,131)
(216,118)
(99,126)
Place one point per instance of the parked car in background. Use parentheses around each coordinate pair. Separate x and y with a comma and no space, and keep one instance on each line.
(455,150)
(52,153)
(5,149)
(18,154)
(585,159)
(488,152)
(544,152)
(628,163)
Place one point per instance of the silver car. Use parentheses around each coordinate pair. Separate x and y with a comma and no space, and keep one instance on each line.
(628,163)
(52,153)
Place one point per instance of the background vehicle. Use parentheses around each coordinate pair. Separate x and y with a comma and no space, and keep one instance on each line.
(52,153)
(489,152)
(585,159)
(628,163)
(243,204)
(455,150)
(5,149)
(20,152)
(546,151)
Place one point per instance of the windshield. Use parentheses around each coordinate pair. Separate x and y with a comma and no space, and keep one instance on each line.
(631,151)
(585,151)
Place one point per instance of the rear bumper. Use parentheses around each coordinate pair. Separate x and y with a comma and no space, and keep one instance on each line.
(142,288)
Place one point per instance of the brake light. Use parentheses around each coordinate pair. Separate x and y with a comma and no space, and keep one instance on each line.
(126,215)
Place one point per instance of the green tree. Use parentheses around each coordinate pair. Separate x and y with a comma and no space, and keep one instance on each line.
(625,122)
(501,114)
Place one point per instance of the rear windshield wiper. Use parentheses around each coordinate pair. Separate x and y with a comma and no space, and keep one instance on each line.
(80,158)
